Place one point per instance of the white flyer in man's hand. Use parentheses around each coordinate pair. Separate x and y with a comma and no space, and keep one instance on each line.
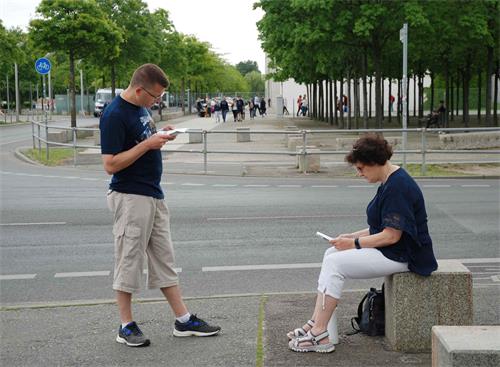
(172,132)
(324,236)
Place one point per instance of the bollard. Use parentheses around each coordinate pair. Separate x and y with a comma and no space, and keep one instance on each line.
(242,134)
(195,136)
(333,329)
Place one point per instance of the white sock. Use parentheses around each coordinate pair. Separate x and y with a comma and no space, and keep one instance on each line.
(184,318)
(125,324)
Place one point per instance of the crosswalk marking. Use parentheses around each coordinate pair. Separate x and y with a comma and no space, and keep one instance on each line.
(32,224)
(17,276)
(104,273)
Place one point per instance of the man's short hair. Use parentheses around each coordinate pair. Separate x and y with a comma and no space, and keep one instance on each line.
(148,75)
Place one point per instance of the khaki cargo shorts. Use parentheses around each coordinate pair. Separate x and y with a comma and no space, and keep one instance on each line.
(141,231)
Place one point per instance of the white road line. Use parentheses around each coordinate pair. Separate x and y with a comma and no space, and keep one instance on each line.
(256,185)
(287,217)
(475,185)
(289,185)
(17,276)
(324,186)
(486,273)
(192,184)
(167,183)
(33,224)
(360,186)
(261,267)
(479,260)
(436,185)
(104,273)
(224,185)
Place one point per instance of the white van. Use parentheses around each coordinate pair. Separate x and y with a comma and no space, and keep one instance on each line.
(103,97)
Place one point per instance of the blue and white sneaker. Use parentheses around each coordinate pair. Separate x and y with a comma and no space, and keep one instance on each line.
(195,327)
(132,336)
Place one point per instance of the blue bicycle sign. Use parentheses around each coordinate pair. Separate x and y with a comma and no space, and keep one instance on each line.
(42,65)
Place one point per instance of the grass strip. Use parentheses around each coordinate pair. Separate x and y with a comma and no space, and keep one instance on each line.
(57,156)
(259,358)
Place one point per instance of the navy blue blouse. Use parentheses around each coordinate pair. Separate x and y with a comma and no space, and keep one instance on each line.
(399,204)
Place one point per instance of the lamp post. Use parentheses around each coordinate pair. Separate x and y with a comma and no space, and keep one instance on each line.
(403,37)
(16,79)
(82,111)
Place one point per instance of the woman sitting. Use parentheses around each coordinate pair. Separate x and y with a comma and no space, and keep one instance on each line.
(397,240)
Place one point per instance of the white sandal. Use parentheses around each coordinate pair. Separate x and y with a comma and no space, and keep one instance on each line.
(299,332)
(314,346)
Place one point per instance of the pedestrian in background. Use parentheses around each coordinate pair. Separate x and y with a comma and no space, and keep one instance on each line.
(130,149)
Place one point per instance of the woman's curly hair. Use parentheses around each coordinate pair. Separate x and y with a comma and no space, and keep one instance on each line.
(370,149)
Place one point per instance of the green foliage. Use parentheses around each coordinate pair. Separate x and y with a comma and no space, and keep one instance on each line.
(255,82)
(313,41)
(244,67)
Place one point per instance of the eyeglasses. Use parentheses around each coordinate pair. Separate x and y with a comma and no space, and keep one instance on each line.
(157,98)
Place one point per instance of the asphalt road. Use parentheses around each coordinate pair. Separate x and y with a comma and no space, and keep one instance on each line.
(233,235)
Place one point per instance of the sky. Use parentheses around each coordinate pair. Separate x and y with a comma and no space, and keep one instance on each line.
(228,25)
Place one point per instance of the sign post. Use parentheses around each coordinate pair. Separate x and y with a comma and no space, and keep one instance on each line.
(43,66)
(403,37)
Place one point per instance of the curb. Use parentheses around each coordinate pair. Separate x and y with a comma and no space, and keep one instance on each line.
(24,158)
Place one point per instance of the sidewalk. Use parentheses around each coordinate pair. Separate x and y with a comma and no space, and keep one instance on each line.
(283,164)
(84,335)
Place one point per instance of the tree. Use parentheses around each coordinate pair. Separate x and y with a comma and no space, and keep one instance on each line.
(77,28)
(245,67)
(255,82)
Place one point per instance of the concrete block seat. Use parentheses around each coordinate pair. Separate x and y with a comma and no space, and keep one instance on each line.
(414,304)
(465,346)
(472,140)
(346,143)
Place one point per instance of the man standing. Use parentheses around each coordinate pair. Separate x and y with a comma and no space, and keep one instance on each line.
(130,148)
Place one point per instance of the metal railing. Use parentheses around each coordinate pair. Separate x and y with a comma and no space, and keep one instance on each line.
(423,150)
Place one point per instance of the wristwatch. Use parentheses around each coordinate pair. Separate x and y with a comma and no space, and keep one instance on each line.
(356,243)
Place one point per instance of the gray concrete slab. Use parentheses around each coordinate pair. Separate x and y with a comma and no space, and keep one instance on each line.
(85,336)
(284,313)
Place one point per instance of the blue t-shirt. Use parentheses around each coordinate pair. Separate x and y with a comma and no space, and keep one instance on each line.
(399,204)
(124,125)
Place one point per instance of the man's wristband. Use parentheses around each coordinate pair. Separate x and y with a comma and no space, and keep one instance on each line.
(356,243)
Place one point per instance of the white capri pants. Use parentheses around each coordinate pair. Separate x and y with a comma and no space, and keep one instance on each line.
(353,264)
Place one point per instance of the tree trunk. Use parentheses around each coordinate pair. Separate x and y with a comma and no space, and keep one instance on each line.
(113,80)
(382,99)
(183,91)
(341,96)
(331,101)
(408,102)
(370,99)
(421,96)
(72,87)
(349,98)
(466,91)
(389,112)
(458,93)
(452,109)
(479,94)
(495,98)
(398,102)
(414,95)
(378,95)
(489,74)
(335,111)
(432,92)
(365,92)
(446,93)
